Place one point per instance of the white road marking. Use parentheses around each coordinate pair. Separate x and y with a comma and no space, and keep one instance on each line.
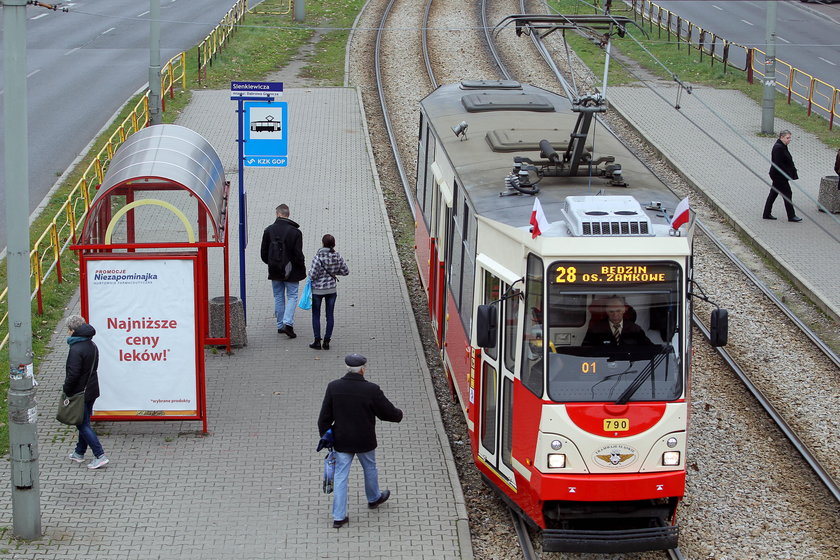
(71,51)
(745,21)
(782,39)
(39,16)
(717,7)
(33,73)
(143,14)
(826,61)
(108,30)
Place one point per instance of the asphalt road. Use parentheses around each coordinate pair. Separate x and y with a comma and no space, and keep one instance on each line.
(83,65)
(807,35)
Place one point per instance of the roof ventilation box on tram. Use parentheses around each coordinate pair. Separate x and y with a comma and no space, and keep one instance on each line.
(590,216)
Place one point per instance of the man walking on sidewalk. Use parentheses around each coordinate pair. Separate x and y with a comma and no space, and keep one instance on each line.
(351,407)
(781,172)
(282,251)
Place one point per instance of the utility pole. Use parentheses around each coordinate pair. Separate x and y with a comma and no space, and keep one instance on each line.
(155,105)
(768,101)
(300,10)
(23,413)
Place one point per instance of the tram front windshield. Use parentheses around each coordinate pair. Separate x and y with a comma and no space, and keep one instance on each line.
(613,332)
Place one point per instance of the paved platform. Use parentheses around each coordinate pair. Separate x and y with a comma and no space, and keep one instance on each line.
(804,250)
(251,488)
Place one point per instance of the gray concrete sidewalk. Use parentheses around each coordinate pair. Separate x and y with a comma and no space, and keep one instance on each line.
(251,488)
(802,249)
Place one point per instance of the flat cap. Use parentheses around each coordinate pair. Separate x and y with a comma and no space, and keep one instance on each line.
(355,360)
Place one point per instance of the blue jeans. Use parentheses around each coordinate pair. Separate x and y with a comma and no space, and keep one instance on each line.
(285,301)
(342,471)
(316,314)
(87,437)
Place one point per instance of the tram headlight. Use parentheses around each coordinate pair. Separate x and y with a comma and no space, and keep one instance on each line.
(671,458)
(556,460)
(672,442)
(556,444)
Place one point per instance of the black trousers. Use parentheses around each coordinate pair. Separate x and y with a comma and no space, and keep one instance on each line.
(783,188)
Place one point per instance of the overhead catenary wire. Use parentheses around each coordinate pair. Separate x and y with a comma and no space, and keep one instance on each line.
(717,115)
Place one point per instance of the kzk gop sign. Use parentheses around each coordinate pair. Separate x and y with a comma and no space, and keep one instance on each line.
(144,313)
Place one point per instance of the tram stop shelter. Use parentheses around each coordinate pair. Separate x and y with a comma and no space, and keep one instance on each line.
(144,256)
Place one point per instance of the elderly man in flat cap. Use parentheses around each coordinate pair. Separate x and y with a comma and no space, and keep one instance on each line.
(351,406)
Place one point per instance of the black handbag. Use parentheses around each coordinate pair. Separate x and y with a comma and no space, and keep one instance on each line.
(71,410)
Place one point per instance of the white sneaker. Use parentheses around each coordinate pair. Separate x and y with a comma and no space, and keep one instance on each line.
(98,462)
(76,457)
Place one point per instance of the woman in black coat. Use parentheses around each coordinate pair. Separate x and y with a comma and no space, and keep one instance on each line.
(82,363)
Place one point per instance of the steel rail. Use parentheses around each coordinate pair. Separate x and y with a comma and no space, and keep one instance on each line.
(524,536)
(675,554)
(409,197)
(491,44)
(789,433)
(424,43)
(757,282)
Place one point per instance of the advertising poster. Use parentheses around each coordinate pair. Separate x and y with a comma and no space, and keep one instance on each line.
(144,314)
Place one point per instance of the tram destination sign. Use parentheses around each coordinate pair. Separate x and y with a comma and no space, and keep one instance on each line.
(594,273)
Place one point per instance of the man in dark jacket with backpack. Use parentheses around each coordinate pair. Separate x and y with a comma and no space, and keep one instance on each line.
(351,407)
(282,251)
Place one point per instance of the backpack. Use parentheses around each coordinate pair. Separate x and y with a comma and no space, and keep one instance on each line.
(278,257)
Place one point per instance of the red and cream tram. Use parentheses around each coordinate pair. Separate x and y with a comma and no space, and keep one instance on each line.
(580,428)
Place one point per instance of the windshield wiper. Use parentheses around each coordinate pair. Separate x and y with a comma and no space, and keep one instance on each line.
(645,374)
(613,376)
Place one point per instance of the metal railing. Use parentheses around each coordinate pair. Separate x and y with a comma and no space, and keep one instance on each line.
(48,249)
(216,39)
(665,21)
(810,91)
(813,93)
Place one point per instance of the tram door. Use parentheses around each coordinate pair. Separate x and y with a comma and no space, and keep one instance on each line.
(443,246)
(496,381)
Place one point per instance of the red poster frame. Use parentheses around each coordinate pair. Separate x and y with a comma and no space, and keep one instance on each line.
(200,326)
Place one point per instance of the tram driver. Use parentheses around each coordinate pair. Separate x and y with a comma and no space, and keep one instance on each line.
(616,328)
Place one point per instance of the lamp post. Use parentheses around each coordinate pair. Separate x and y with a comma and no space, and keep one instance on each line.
(768,101)
(23,413)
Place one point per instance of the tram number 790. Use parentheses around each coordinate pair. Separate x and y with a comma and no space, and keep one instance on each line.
(616,424)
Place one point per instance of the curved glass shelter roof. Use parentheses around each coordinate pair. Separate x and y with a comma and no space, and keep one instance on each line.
(159,158)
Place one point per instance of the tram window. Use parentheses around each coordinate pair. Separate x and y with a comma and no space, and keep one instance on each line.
(456,265)
(533,348)
(467,286)
(511,322)
(644,360)
(431,187)
(492,287)
(566,310)
(507,419)
(488,408)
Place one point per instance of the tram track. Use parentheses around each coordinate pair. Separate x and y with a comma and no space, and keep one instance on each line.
(407,189)
(742,374)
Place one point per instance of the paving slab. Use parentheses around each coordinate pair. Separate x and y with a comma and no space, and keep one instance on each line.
(251,487)
(732,172)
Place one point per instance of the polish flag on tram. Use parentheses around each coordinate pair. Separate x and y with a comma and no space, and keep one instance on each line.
(538,221)
(680,214)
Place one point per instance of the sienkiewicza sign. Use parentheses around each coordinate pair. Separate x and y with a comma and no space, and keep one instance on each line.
(144,313)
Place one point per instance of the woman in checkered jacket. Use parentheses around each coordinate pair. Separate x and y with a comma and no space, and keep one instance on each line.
(326,265)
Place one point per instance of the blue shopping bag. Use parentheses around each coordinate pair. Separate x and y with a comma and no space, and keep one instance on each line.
(305,301)
(329,472)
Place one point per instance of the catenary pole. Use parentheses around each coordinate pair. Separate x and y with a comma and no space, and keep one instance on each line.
(768,101)
(155,105)
(23,414)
